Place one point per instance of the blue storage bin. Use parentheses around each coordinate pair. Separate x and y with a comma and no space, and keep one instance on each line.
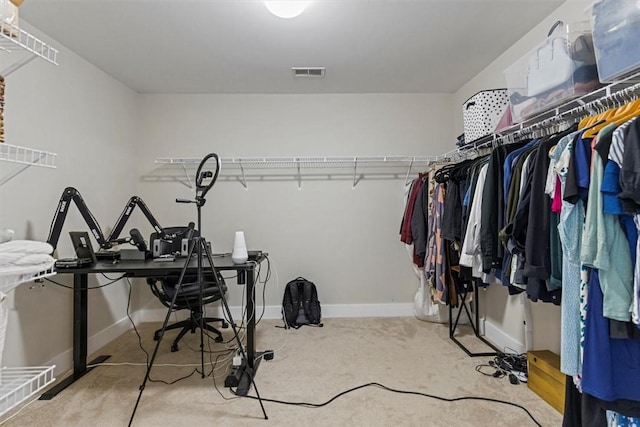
(616,38)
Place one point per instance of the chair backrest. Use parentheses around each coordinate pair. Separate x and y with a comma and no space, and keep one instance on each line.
(164,288)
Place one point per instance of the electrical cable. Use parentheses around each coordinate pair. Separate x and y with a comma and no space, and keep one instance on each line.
(227,351)
(142,347)
(110,278)
(166,365)
(512,365)
(134,323)
(18,411)
(215,385)
(88,288)
(264,286)
(415,393)
(286,327)
(228,356)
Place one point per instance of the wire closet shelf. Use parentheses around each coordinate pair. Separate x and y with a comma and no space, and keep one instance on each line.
(20,384)
(22,48)
(17,384)
(615,94)
(298,164)
(14,39)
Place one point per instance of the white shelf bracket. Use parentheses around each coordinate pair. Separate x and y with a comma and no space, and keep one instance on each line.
(186,174)
(13,174)
(16,65)
(244,178)
(406,179)
(297,160)
(355,169)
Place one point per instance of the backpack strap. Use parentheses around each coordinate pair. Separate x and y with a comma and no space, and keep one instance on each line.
(310,302)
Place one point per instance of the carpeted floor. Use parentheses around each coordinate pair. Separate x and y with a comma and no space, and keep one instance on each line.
(310,365)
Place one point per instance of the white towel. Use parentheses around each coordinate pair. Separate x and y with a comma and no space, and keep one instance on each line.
(26,247)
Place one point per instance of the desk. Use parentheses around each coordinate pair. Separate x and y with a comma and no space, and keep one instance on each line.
(240,377)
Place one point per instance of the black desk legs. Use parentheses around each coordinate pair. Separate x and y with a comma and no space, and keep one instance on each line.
(251,321)
(240,376)
(80,318)
(80,330)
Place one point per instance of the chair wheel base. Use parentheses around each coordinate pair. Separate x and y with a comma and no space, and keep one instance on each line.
(156,336)
(225,325)
(219,339)
(174,348)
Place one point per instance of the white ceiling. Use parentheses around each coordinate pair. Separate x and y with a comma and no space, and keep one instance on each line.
(227,46)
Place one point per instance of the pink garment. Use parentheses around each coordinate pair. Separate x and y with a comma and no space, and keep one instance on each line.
(506,120)
(556,204)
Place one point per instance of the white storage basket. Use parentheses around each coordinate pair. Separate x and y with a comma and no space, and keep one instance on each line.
(482,113)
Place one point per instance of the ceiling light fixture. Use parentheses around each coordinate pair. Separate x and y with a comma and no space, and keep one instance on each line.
(286,9)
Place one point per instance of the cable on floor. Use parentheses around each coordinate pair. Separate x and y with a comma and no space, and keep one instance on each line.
(19,411)
(512,365)
(195,370)
(415,393)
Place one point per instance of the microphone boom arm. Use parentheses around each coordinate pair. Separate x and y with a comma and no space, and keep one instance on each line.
(124,217)
(68,195)
(71,194)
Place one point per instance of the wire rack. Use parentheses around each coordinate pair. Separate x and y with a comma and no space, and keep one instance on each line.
(358,164)
(14,39)
(19,384)
(11,280)
(26,157)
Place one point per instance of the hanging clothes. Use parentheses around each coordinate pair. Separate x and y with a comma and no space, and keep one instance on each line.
(493,209)
(434,261)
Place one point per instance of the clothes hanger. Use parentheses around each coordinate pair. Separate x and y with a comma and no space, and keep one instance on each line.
(593,117)
(623,115)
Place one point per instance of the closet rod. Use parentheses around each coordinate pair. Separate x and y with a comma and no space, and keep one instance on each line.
(618,93)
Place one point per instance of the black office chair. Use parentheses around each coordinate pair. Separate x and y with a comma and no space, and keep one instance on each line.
(164,288)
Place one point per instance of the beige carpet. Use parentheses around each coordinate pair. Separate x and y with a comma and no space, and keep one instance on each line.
(310,365)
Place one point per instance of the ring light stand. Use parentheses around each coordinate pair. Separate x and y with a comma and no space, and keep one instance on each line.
(204,182)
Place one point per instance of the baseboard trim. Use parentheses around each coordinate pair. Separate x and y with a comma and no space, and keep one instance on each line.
(367,310)
(64,361)
(501,339)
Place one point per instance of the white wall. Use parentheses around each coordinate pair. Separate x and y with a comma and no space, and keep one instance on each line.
(89,120)
(345,240)
(502,311)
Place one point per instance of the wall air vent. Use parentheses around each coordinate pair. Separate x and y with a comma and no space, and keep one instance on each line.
(308,71)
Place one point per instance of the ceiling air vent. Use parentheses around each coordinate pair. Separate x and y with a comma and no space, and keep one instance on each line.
(308,71)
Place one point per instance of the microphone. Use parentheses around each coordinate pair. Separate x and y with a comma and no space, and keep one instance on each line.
(138,240)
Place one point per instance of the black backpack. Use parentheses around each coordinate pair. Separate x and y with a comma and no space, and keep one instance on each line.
(300,305)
